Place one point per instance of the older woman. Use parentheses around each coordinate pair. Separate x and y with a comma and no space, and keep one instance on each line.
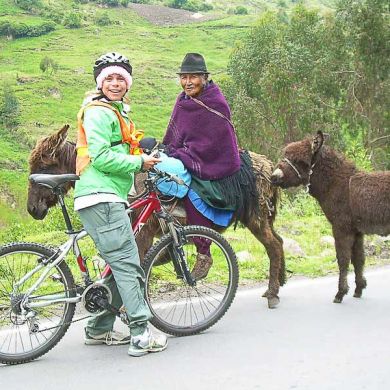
(200,133)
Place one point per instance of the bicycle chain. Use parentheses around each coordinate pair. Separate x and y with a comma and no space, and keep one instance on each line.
(64,323)
(75,289)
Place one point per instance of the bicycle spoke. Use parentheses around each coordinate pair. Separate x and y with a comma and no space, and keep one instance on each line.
(180,316)
(28,333)
(21,340)
(212,289)
(10,283)
(206,298)
(201,303)
(4,289)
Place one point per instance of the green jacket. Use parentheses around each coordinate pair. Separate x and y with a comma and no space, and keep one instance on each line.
(112,167)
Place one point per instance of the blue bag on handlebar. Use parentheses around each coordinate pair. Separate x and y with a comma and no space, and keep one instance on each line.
(175,167)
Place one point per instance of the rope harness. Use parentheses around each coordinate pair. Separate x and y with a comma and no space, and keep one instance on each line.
(295,169)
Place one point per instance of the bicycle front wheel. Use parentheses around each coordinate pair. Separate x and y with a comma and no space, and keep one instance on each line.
(178,308)
(26,334)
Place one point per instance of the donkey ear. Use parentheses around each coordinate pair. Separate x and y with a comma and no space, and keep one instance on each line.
(317,142)
(50,145)
(62,135)
(56,141)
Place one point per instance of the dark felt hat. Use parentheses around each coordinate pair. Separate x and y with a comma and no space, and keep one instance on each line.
(193,63)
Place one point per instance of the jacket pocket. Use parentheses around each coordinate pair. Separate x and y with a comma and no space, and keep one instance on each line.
(113,236)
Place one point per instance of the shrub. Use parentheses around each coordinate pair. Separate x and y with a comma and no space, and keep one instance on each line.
(72,20)
(177,3)
(124,3)
(29,5)
(48,65)
(20,30)
(206,7)
(5,29)
(241,10)
(103,19)
(54,14)
(9,107)
(110,3)
(190,5)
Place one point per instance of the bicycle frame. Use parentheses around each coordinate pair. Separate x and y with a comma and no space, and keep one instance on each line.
(150,204)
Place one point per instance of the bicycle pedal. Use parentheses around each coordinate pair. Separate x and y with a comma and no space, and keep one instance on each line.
(123,315)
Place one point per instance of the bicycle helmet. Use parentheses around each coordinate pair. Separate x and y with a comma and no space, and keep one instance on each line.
(111,59)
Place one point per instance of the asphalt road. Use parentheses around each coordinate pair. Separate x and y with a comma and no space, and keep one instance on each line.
(308,342)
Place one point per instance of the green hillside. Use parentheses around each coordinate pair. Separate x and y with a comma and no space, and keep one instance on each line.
(49,99)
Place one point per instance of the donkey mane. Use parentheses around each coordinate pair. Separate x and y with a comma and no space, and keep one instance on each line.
(332,159)
(44,155)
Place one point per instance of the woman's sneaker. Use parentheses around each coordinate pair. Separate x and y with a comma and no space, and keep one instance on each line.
(109,338)
(146,342)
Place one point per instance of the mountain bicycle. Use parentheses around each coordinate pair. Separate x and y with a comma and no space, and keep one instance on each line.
(38,293)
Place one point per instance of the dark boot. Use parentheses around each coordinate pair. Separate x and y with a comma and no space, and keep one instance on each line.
(202,266)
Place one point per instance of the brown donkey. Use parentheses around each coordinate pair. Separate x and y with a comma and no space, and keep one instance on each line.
(56,155)
(354,202)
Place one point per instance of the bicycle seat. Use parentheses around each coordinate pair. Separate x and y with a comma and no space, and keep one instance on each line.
(52,181)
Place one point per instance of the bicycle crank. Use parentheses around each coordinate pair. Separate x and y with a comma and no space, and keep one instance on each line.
(96,297)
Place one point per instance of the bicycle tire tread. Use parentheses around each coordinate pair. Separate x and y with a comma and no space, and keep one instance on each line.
(20,246)
(148,261)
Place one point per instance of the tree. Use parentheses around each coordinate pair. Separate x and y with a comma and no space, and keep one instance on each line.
(365,25)
(281,75)
(310,72)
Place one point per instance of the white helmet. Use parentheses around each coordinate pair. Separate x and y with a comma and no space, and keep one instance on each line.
(110,59)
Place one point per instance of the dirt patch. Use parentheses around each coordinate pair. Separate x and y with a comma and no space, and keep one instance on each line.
(165,16)
(7,198)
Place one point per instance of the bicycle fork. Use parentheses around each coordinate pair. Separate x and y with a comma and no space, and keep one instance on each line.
(177,252)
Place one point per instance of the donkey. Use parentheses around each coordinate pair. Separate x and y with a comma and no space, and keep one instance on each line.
(354,202)
(54,154)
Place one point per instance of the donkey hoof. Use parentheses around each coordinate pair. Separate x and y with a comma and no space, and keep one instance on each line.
(266,293)
(337,299)
(273,302)
(358,294)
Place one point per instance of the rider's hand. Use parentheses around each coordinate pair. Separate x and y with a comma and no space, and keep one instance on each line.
(149,162)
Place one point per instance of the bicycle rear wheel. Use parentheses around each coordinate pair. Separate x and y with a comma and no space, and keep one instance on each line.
(178,308)
(27,336)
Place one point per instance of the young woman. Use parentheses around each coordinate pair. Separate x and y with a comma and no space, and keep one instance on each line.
(106,136)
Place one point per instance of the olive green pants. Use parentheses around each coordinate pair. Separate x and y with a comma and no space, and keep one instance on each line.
(109,226)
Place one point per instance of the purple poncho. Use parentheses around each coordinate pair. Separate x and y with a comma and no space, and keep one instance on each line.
(202,140)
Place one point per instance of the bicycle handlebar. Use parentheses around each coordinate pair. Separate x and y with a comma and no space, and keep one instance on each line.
(165,175)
